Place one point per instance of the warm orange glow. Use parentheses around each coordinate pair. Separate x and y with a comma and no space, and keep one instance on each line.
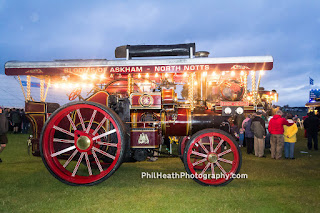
(166,75)
(185,74)
(84,76)
(139,75)
(204,74)
(102,76)
(213,73)
(195,83)
(223,73)
(157,75)
(241,73)
(233,73)
(93,76)
(147,75)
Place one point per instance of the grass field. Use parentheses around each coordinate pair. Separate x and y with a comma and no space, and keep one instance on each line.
(271,186)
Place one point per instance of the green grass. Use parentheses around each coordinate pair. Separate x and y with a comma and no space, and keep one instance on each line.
(272,186)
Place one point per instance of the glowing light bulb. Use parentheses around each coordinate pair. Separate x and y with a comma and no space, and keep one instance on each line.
(84,76)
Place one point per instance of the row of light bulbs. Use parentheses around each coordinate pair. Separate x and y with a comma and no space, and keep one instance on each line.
(102,76)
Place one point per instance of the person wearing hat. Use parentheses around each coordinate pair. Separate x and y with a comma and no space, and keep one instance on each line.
(259,131)
(3,131)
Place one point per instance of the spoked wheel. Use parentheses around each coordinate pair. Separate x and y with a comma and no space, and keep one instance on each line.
(181,145)
(216,152)
(83,143)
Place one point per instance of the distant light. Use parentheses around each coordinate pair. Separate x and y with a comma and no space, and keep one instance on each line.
(63,85)
(210,83)
(93,76)
(139,75)
(233,73)
(157,75)
(204,74)
(195,83)
(147,75)
(241,73)
(185,74)
(213,73)
(223,73)
(84,76)
(252,72)
(102,76)
(166,75)
(57,85)
(261,72)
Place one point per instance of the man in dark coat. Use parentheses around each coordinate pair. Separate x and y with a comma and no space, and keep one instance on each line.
(258,127)
(311,124)
(248,135)
(3,131)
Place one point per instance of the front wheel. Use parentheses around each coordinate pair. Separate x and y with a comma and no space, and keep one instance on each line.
(212,157)
(82,143)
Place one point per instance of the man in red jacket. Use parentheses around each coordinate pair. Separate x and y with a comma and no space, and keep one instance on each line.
(276,130)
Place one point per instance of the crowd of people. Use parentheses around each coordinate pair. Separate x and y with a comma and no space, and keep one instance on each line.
(256,132)
(11,120)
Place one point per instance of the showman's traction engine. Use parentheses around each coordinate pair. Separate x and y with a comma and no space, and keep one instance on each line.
(132,106)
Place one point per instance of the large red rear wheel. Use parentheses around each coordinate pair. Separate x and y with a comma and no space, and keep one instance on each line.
(217,153)
(83,143)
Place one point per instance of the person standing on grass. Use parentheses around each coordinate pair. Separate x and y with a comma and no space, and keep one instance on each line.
(3,130)
(290,137)
(259,131)
(311,124)
(248,135)
(276,130)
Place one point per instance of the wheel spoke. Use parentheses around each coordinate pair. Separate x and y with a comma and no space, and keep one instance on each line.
(91,120)
(104,134)
(221,168)
(63,140)
(63,131)
(200,161)
(71,122)
(88,163)
(100,125)
(78,164)
(199,154)
(81,120)
(97,161)
(211,143)
(202,146)
(70,158)
(63,151)
(212,169)
(218,146)
(107,144)
(225,160)
(103,153)
(205,169)
(225,152)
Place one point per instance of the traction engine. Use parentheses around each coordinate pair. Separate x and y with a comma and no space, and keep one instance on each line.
(134,106)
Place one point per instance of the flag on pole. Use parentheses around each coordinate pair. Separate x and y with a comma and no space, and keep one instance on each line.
(311,81)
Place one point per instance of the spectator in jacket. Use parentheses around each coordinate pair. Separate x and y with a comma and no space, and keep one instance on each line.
(248,134)
(276,130)
(311,124)
(290,137)
(259,131)
(16,120)
(3,131)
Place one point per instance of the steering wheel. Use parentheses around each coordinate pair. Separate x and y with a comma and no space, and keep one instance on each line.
(74,94)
